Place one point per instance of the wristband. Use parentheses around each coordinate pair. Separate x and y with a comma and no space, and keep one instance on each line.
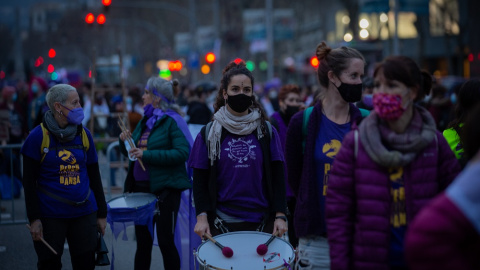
(281,217)
(202,214)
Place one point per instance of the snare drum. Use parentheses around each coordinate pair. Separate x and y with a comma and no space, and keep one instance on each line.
(137,207)
(244,245)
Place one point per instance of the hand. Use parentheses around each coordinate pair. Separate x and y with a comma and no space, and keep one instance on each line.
(36,230)
(202,226)
(125,135)
(279,226)
(136,153)
(101,225)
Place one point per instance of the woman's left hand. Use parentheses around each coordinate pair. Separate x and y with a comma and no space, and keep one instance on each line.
(101,225)
(279,227)
(136,153)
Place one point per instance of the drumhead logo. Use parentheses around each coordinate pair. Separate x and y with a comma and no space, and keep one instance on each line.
(271,257)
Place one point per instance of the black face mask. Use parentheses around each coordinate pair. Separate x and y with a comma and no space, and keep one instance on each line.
(350,92)
(291,110)
(239,103)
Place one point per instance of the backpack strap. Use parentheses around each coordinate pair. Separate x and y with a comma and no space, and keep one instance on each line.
(45,146)
(85,141)
(364,112)
(269,127)
(45,142)
(306,116)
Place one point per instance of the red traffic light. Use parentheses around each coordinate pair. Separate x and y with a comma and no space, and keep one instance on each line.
(175,65)
(52,53)
(90,18)
(106,2)
(238,60)
(314,62)
(39,61)
(101,19)
(210,57)
(50,68)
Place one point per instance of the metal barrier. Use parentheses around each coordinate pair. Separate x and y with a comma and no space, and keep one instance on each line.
(10,211)
(13,210)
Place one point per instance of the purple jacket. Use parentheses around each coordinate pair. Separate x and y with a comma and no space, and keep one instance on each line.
(442,237)
(358,200)
(302,175)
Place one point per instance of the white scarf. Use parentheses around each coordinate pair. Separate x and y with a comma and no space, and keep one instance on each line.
(239,125)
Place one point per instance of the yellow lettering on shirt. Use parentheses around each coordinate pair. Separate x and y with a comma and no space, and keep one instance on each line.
(325,178)
(69,174)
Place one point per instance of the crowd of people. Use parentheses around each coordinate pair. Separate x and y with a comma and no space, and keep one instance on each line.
(352,174)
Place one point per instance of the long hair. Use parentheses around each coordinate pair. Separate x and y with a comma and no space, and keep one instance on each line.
(233,69)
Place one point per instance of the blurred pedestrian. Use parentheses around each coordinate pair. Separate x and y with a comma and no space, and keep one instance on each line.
(440,107)
(446,233)
(367,95)
(468,96)
(63,188)
(238,166)
(290,103)
(386,171)
(163,145)
(314,137)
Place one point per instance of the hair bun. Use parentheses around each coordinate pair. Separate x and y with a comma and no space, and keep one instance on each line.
(322,50)
(234,64)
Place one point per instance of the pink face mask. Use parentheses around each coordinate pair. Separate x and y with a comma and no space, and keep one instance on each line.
(388,106)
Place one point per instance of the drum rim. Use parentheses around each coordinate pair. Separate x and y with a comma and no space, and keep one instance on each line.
(125,195)
(241,232)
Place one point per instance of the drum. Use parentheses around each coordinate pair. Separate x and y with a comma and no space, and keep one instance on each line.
(280,253)
(136,207)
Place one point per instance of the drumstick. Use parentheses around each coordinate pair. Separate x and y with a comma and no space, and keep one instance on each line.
(263,248)
(129,140)
(226,251)
(45,242)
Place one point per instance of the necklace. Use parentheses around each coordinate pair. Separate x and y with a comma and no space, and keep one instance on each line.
(332,118)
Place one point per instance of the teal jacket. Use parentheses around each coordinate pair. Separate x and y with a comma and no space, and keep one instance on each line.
(166,154)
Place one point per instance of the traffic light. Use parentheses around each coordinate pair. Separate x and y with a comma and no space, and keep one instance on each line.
(101,19)
(52,53)
(205,69)
(90,18)
(175,65)
(314,62)
(39,61)
(106,4)
(238,60)
(210,58)
(50,68)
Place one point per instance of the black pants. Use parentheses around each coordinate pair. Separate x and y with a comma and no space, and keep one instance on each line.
(81,234)
(165,226)
(292,236)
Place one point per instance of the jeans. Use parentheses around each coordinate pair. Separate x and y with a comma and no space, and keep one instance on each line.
(313,253)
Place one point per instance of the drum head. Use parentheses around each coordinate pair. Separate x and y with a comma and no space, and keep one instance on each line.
(244,246)
(132,200)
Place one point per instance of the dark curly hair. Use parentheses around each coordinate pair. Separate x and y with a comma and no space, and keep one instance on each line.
(233,69)
(287,89)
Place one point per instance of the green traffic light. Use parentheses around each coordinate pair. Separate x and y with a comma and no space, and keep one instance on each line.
(250,65)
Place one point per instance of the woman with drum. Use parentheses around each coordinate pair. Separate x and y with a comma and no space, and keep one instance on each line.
(63,189)
(238,163)
(162,147)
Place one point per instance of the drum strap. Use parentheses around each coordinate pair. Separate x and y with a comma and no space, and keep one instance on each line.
(61,199)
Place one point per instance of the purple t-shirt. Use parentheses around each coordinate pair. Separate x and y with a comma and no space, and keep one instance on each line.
(138,173)
(239,172)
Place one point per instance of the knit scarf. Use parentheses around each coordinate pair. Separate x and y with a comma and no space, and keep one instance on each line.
(390,149)
(63,135)
(239,125)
